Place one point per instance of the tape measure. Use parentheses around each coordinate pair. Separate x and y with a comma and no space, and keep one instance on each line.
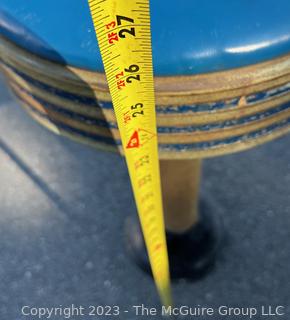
(124,37)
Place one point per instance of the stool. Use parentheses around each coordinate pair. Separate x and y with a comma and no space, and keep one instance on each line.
(222,82)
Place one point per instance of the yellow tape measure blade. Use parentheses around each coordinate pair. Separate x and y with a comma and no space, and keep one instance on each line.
(124,37)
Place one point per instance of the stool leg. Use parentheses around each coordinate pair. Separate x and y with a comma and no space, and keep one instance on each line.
(192,229)
(180,188)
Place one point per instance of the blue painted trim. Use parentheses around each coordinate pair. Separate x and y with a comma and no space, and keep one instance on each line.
(95,137)
(164,129)
(176,147)
(253,98)
(58,92)
(70,114)
(231,140)
(203,107)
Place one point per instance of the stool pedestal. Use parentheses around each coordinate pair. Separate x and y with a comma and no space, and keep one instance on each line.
(180,186)
(193,233)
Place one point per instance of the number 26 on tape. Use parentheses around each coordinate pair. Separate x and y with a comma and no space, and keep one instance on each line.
(133,68)
(114,36)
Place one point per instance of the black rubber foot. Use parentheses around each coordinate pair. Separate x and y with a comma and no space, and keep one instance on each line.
(191,254)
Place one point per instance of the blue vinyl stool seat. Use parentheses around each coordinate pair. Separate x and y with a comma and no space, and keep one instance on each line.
(222,72)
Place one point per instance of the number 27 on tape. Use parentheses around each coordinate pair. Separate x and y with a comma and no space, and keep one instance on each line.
(113,36)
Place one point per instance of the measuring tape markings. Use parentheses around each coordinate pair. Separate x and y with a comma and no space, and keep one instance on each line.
(124,37)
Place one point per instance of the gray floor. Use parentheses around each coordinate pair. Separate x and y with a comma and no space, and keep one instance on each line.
(62,207)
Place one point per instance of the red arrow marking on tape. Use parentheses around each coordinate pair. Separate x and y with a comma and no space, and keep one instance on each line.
(134,141)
